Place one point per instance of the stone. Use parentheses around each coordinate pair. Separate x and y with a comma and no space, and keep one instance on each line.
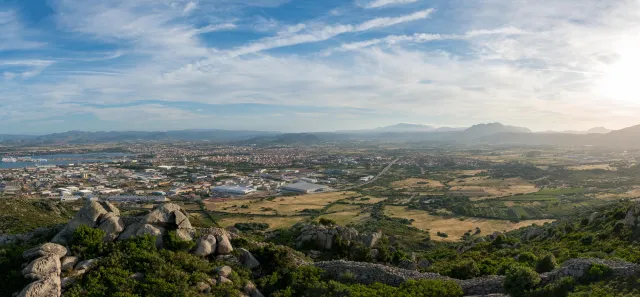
(88,216)
(205,246)
(251,290)
(67,263)
(224,245)
(112,225)
(137,276)
(42,268)
(371,239)
(533,233)
(67,282)
(184,234)
(248,260)
(224,280)
(423,264)
(593,217)
(152,230)
(408,264)
(212,281)
(86,265)
(46,249)
(49,287)
(203,287)
(224,271)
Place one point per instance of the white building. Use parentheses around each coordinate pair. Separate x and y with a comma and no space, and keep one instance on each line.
(303,188)
(136,198)
(233,190)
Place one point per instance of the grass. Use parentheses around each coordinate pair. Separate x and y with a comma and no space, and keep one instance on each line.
(20,216)
(483,187)
(280,205)
(417,183)
(348,217)
(456,226)
(273,222)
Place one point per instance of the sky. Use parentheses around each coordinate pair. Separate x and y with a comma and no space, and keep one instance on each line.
(303,65)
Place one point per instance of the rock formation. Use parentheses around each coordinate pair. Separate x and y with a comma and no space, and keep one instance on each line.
(165,217)
(324,237)
(92,215)
(45,269)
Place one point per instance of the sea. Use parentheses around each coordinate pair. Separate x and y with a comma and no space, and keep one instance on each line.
(66,159)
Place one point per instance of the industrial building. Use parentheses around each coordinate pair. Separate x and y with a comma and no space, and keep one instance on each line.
(136,198)
(302,187)
(233,190)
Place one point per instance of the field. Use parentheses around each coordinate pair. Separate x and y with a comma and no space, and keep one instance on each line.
(348,217)
(417,183)
(455,227)
(291,205)
(482,187)
(592,167)
(274,222)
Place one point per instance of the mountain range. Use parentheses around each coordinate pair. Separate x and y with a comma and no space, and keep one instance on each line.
(490,133)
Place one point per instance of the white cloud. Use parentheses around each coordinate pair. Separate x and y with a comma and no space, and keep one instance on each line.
(322,33)
(14,35)
(217,27)
(380,3)
(191,6)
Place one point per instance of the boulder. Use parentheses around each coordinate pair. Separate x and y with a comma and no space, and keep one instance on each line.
(49,287)
(533,233)
(408,264)
(68,263)
(203,287)
(158,232)
(593,217)
(42,268)
(67,282)
(372,239)
(86,265)
(224,271)
(205,246)
(224,246)
(168,215)
(112,225)
(248,260)
(231,259)
(47,249)
(251,290)
(224,280)
(137,276)
(87,216)
(185,234)
(423,264)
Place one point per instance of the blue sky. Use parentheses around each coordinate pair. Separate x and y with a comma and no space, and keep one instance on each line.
(316,65)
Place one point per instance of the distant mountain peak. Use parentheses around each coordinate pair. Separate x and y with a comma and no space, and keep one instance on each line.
(494,128)
(599,130)
(406,127)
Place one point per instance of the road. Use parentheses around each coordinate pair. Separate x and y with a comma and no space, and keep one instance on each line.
(373,179)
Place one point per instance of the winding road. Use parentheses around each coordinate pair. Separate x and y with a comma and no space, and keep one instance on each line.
(373,179)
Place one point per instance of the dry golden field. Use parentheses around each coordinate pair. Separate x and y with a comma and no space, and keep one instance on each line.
(280,205)
(483,187)
(274,222)
(454,226)
(417,183)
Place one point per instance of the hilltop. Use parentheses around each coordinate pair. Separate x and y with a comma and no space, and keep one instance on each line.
(101,252)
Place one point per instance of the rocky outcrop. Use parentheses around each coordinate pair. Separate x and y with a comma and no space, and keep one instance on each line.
(45,270)
(112,225)
(632,217)
(165,217)
(90,215)
(46,249)
(322,237)
(206,245)
(368,273)
(67,263)
(248,260)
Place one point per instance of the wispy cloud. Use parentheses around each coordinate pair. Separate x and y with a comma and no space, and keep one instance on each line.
(14,35)
(380,3)
(321,33)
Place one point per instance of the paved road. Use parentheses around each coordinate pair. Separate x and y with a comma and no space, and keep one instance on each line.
(373,179)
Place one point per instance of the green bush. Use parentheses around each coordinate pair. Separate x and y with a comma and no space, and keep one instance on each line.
(174,243)
(88,242)
(597,272)
(252,226)
(520,280)
(326,222)
(560,288)
(546,264)
(528,258)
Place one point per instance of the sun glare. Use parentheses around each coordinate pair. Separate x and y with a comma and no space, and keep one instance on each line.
(621,80)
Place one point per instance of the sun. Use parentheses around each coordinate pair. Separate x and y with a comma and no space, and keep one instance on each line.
(621,79)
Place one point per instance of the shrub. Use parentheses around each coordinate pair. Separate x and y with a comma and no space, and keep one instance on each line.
(252,226)
(546,264)
(520,280)
(560,288)
(528,259)
(174,243)
(464,269)
(442,234)
(326,222)
(597,272)
(88,241)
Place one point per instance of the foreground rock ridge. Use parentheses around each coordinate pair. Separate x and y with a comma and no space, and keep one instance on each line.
(52,267)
